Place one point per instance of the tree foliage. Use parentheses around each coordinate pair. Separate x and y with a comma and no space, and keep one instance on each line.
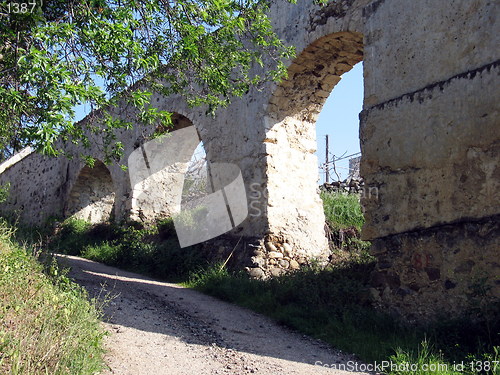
(63,53)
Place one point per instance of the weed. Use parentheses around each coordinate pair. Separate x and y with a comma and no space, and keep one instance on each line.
(423,362)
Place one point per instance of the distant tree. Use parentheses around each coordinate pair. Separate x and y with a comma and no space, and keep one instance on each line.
(62,53)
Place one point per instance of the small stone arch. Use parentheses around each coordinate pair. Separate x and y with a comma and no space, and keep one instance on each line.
(92,197)
(157,169)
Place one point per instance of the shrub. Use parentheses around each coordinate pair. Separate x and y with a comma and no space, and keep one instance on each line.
(73,236)
(154,251)
(104,253)
(166,228)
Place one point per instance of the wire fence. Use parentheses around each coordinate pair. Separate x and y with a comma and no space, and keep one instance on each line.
(339,168)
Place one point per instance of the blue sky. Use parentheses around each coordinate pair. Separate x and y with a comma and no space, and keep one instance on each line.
(339,119)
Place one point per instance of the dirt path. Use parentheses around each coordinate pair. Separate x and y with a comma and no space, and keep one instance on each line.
(162,329)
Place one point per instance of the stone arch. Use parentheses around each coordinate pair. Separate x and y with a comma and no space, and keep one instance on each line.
(180,122)
(157,168)
(313,74)
(92,197)
(295,213)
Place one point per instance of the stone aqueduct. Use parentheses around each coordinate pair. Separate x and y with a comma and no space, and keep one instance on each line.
(429,133)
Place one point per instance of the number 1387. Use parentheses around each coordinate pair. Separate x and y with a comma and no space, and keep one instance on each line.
(21,7)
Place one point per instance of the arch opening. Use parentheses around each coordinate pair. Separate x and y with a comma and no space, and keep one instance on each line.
(337,132)
(196,182)
(92,197)
(296,212)
(158,168)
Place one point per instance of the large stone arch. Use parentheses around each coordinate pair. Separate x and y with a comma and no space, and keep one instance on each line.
(294,208)
(92,196)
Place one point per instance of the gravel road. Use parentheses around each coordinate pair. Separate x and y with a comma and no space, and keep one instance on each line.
(163,329)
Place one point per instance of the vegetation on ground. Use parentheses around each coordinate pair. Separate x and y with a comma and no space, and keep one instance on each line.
(47,324)
(344,219)
(152,250)
(332,303)
(342,210)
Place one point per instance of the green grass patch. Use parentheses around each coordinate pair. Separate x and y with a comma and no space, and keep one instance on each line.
(344,219)
(342,210)
(47,324)
(154,250)
(423,362)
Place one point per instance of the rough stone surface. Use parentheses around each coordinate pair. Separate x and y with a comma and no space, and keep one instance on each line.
(256,272)
(92,196)
(456,140)
(430,148)
(418,43)
(458,261)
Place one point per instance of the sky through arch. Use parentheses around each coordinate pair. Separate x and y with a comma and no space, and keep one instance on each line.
(339,118)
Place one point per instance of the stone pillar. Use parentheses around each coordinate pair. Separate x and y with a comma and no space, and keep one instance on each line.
(294,209)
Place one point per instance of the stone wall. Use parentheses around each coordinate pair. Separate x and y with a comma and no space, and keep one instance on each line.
(441,271)
(38,186)
(430,141)
(429,135)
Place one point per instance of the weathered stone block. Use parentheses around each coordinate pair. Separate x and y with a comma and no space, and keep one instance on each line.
(444,277)
(450,37)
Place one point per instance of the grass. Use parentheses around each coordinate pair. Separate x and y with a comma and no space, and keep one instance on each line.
(423,362)
(47,325)
(332,303)
(154,251)
(342,210)
(344,220)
